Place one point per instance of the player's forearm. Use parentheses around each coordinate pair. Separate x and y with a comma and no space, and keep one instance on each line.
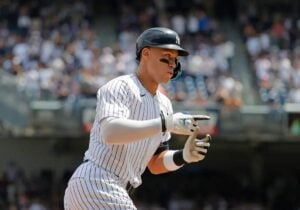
(124,131)
(166,161)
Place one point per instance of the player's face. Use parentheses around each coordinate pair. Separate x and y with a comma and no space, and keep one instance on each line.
(162,63)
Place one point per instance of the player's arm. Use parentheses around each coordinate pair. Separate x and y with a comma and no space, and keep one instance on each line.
(124,131)
(165,160)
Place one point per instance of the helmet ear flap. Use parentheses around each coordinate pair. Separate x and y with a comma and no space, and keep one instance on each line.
(177,71)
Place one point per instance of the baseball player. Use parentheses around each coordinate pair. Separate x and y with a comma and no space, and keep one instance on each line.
(132,126)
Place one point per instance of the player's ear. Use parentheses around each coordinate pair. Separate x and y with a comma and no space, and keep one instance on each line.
(145,52)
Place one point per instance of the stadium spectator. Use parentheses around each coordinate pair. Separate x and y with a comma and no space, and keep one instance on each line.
(271,38)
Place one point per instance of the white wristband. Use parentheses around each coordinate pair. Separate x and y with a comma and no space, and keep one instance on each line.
(169,162)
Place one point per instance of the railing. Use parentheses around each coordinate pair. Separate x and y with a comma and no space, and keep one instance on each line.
(261,123)
(248,122)
(20,117)
(14,109)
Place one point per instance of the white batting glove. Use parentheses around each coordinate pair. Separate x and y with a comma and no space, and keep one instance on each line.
(195,149)
(180,123)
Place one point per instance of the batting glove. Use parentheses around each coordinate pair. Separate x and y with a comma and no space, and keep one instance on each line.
(180,123)
(195,149)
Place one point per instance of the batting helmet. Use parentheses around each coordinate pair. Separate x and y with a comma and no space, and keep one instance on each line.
(160,37)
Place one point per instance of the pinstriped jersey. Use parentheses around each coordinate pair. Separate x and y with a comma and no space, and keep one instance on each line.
(125,97)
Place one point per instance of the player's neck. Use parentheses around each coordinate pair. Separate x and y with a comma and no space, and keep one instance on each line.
(150,86)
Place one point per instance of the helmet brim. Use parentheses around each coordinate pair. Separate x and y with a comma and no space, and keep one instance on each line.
(181,51)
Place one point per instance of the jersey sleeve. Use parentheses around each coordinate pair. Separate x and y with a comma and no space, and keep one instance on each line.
(113,100)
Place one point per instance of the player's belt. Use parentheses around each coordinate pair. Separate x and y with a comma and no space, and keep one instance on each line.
(129,188)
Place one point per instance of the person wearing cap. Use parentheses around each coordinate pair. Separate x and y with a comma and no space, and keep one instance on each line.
(132,128)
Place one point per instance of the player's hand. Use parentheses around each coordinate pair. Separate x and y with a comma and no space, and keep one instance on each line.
(184,124)
(195,149)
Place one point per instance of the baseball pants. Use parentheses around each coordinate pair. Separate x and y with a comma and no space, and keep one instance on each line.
(92,188)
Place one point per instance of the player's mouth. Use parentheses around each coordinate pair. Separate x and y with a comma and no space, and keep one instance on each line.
(170,73)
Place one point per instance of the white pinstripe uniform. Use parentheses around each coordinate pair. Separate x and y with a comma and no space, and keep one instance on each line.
(100,183)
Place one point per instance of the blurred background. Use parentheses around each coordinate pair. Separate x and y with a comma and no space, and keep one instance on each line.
(243,71)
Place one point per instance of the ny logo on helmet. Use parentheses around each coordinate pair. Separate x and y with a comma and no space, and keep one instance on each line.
(177,40)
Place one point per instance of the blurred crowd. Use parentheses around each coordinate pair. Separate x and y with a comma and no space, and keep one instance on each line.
(191,188)
(54,51)
(272,38)
(48,46)
(197,189)
(39,191)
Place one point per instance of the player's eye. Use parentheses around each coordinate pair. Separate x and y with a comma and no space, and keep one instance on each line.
(168,61)
(164,60)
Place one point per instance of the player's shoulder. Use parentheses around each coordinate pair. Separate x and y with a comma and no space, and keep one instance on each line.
(122,79)
(124,83)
